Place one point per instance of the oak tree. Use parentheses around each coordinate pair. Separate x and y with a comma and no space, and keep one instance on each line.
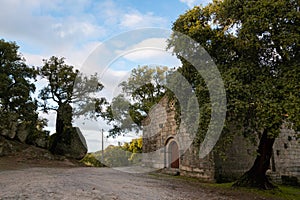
(144,88)
(255,45)
(16,87)
(68,92)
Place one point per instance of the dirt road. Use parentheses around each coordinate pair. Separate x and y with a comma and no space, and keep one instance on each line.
(99,183)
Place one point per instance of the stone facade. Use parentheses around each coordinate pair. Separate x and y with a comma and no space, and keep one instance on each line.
(239,157)
(285,163)
(161,136)
(170,148)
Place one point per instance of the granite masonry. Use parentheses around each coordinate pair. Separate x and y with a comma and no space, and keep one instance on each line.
(172,149)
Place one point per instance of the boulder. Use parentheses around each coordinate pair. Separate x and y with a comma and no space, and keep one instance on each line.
(22,132)
(11,130)
(6,147)
(71,143)
(41,142)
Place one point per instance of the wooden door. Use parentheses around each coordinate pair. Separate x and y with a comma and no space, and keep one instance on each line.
(174,155)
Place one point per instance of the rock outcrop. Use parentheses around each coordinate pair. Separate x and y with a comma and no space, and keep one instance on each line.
(10,131)
(71,143)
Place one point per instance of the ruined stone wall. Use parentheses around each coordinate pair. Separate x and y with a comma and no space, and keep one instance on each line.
(193,166)
(237,158)
(286,158)
(240,156)
(160,129)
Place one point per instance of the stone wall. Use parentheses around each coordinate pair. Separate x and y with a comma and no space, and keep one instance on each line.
(157,129)
(193,166)
(160,129)
(285,164)
(238,157)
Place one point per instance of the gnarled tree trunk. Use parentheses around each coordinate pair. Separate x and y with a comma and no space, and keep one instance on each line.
(63,124)
(63,118)
(256,176)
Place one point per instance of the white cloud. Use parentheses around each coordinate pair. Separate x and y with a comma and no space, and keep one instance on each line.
(135,19)
(33,59)
(131,20)
(151,51)
(66,29)
(192,3)
(189,3)
(111,80)
(37,25)
(94,143)
(126,17)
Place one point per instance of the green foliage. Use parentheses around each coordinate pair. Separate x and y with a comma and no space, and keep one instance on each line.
(281,193)
(116,156)
(90,160)
(120,156)
(61,78)
(255,45)
(68,86)
(136,149)
(135,146)
(16,87)
(143,89)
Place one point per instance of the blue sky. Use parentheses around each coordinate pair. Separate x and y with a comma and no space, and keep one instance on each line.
(72,28)
(75,28)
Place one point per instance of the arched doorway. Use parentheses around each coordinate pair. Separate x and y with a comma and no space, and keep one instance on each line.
(174,155)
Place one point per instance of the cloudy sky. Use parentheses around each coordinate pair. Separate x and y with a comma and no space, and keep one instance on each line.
(83,31)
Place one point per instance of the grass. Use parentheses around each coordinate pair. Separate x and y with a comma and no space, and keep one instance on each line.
(281,193)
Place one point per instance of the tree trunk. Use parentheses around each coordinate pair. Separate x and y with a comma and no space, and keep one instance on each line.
(63,125)
(63,118)
(256,176)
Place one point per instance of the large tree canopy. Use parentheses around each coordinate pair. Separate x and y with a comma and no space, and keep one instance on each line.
(68,91)
(144,88)
(16,86)
(255,45)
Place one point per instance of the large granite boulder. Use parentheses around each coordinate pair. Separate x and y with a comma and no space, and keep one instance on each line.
(71,143)
(22,132)
(7,146)
(10,131)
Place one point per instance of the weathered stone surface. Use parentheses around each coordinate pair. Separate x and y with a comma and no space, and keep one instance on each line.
(6,147)
(22,133)
(10,131)
(286,157)
(71,143)
(237,158)
(160,130)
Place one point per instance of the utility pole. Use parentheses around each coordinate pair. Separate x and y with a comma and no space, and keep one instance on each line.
(102,157)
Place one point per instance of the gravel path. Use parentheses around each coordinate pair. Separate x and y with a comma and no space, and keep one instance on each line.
(96,183)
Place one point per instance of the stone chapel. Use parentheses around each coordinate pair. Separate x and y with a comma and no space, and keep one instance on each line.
(163,149)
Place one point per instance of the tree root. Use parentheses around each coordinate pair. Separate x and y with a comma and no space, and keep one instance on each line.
(253,181)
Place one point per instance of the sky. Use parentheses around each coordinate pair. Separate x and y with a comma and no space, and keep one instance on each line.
(83,31)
